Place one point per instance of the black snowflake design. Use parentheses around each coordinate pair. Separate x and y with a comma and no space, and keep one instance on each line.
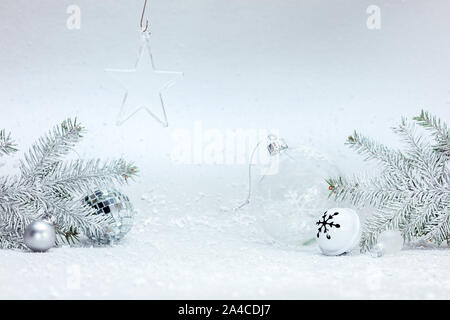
(326,222)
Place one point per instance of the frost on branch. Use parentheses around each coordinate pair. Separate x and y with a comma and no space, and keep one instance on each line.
(7,145)
(412,192)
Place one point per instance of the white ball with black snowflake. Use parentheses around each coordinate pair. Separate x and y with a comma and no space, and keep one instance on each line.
(338,231)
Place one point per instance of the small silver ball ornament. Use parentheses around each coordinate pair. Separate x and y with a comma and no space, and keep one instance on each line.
(40,236)
(118,206)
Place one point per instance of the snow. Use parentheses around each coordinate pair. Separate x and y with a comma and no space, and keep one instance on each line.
(311,71)
(224,268)
(222,255)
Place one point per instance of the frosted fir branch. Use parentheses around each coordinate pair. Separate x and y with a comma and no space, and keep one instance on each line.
(419,219)
(378,223)
(10,239)
(74,218)
(393,160)
(19,192)
(382,221)
(438,229)
(376,151)
(7,145)
(439,130)
(48,150)
(362,191)
(67,235)
(412,192)
(80,176)
(425,160)
(10,243)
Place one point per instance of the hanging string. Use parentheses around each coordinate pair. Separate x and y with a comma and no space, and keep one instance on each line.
(275,146)
(249,193)
(141,24)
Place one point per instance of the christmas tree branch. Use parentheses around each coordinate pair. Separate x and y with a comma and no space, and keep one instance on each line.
(49,149)
(429,163)
(81,176)
(74,218)
(438,129)
(10,239)
(438,229)
(382,221)
(394,160)
(361,191)
(7,145)
(412,192)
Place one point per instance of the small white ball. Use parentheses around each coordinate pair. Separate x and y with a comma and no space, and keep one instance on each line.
(338,231)
(40,236)
(389,242)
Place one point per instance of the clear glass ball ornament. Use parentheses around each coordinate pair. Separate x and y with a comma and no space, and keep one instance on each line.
(291,192)
(119,207)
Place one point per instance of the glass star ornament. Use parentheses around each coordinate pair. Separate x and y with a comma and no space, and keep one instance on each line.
(144,86)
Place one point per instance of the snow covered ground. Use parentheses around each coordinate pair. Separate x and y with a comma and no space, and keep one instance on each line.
(218,256)
(311,71)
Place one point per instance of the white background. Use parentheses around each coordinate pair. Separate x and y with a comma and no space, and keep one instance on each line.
(311,69)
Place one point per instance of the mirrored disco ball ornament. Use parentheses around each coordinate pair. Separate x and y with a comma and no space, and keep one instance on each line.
(119,207)
(289,190)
